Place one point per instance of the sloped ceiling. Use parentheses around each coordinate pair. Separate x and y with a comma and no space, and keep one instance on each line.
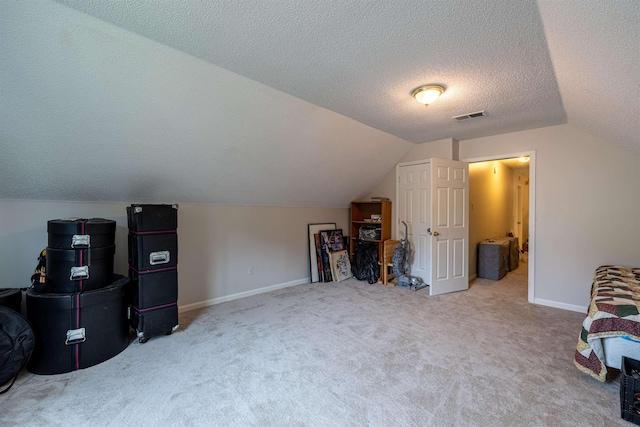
(363,58)
(290,102)
(595,48)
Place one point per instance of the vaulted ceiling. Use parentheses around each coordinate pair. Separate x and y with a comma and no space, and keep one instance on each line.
(363,58)
(527,63)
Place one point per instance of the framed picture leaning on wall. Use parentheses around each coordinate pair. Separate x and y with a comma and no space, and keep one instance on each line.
(313,258)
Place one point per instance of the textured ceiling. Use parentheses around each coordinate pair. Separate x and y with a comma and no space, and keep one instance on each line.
(290,103)
(595,48)
(362,59)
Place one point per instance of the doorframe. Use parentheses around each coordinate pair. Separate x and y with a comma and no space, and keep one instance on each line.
(532,211)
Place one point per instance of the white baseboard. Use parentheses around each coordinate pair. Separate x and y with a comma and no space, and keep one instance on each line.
(561,305)
(239,295)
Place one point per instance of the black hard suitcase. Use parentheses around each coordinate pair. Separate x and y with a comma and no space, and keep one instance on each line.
(78,330)
(153,288)
(514,253)
(154,321)
(11,298)
(77,270)
(152,217)
(152,250)
(79,233)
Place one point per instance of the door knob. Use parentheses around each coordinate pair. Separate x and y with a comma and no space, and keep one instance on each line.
(435,233)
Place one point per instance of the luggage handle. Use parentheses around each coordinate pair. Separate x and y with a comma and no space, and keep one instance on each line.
(79,273)
(138,209)
(75,336)
(160,257)
(81,240)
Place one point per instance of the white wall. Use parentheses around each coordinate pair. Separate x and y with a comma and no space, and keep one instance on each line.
(443,149)
(138,120)
(587,205)
(216,244)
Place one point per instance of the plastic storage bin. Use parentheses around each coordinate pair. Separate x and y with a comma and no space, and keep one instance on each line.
(630,390)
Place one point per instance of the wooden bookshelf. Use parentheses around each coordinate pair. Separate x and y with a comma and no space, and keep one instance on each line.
(361,212)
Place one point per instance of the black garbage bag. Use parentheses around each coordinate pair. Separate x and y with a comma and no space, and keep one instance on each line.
(365,261)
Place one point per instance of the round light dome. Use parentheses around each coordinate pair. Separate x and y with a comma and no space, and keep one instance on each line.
(427,94)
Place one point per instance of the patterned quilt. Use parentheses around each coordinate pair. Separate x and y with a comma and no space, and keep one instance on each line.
(614,311)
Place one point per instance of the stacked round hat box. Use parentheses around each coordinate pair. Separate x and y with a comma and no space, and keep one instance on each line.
(81,319)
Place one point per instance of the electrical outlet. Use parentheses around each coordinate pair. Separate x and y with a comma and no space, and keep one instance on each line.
(250,270)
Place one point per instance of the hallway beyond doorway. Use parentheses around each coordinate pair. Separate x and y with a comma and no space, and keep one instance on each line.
(485,206)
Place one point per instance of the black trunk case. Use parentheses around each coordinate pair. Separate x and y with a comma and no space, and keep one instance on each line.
(98,263)
(58,320)
(11,298)
(153,251)
(154,288)
(153,260)
(154,321)
(152,217)
(79,233)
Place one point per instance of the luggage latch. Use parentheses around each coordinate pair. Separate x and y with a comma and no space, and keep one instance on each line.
(160,257)
(137,209)
(75,336)
(79,273)
(81,240)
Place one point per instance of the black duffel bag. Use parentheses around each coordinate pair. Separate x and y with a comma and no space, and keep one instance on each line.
(16,346)
(365,261)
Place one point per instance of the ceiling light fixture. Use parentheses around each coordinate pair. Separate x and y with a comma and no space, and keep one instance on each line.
(523,159)
(427,94)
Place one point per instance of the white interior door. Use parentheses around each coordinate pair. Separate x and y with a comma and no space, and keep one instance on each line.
(449,226)
(414,207)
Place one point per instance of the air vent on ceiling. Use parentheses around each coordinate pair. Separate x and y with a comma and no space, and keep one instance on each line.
(469,116)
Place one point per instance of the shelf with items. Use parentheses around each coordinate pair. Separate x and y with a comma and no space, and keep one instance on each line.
(375,214)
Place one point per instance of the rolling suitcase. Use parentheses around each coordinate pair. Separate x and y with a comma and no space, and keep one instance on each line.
(153,288)
(514,253)
(80,233)
(78,330)
(153,260)
(77,270)
(152,250)
(152,218)
(154,321)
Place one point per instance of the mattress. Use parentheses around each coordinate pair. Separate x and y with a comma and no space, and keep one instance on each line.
(616,347)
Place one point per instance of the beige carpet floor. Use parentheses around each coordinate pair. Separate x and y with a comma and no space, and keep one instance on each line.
(339,354)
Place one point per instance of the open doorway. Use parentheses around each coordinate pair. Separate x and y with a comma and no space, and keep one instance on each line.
(502,203)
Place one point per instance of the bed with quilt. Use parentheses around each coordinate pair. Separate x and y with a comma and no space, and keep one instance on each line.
(612,326)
